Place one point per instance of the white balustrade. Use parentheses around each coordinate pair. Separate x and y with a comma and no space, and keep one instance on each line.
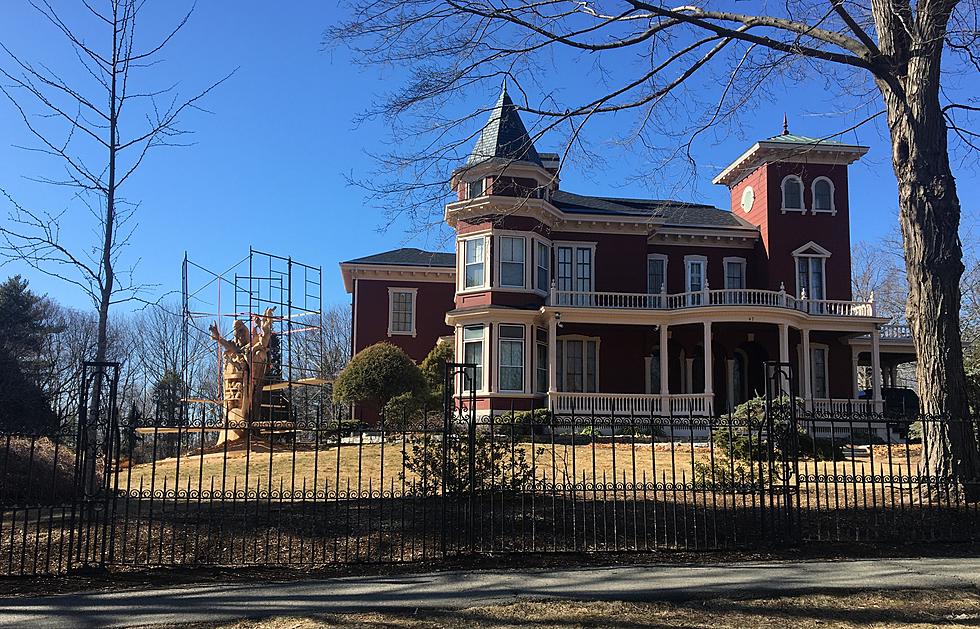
(896,331)
(631,403)
(716,297)
(845,406)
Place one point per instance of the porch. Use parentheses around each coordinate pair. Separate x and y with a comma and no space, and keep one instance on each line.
(682,404)
(664,370)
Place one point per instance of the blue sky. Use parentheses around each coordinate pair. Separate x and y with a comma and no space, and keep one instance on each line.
(268,165)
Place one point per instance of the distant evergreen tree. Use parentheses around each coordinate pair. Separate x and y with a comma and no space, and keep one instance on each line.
(167,396)
(23,329)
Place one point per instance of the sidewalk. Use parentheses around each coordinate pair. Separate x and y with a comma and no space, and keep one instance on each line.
(213,603)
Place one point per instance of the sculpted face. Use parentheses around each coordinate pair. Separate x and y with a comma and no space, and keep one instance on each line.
(240,333)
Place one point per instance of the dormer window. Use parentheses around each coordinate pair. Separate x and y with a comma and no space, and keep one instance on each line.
(476,188)
(793,194)
(823,196)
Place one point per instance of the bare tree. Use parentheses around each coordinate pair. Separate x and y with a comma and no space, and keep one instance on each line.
(691,69)
(878,272)
(99,129)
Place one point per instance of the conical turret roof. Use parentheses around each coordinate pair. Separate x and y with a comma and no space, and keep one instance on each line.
(504,136)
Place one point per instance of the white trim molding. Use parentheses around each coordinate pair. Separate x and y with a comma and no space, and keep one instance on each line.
(832,210)
(461,287)
(688,259)
(413,311)
(782,195)
(663,288)
(745,270)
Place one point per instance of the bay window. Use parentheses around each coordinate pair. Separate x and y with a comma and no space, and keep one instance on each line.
(512,261)
(474,259)
(511,359)
(543,266)
(473,353)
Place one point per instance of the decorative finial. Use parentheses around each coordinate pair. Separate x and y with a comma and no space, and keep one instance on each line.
(785,125)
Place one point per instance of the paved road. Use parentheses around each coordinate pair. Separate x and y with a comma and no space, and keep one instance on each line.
(212,603)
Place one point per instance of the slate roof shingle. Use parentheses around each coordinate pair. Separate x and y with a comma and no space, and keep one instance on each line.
(409,256)
(504,136)
(676,213)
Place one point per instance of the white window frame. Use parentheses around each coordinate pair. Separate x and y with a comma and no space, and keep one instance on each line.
(740,261)
(813,371)
(810,250)
(481,386)
(461,267)
(782,195)
(560,368)
(483,187)
(535,243)
(694,297)
(647,363)
(813,196)
(499,261)
(575,245)
(499,353)
(663,258)
(539,363)
(392,290)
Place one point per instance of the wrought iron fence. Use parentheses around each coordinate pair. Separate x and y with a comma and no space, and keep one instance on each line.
(125,492)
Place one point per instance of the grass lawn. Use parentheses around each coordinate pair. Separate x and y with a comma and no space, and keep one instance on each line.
(901,610)
(364,466)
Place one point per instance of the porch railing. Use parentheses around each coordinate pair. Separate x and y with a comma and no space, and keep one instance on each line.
(632,403)
(825,405)
(713,297)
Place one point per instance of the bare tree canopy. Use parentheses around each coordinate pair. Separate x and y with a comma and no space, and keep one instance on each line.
(693,69)
(98,128)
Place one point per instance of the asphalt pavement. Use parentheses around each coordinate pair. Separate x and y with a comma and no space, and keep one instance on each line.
(211,602)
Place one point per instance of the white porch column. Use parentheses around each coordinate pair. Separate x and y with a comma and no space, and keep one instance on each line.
(664,379)
(730,383)
(855,385)
(688,375)
(708,359)
(893,375)
(807,376)
(552,356)
(875,365)
(784,353)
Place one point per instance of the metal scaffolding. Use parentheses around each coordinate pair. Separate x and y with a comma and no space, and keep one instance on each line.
(293,386)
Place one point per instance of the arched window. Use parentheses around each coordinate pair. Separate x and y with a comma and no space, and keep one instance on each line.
(793,194)
(823,195)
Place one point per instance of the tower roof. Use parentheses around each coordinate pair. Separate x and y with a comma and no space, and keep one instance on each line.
(504,136)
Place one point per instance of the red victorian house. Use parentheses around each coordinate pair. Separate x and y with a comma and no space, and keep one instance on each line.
(566,300)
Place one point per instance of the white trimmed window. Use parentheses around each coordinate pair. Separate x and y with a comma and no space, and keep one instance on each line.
(473,343)
(511,358)
(476,188)
(656,273)
(811,271)
(574,267)
(735,273)
(695,274)
(793,194)
(541,361)
(512,261)
(578,364)
(819,372)
(401,311)
(542,261)
(823,196)
(474,262)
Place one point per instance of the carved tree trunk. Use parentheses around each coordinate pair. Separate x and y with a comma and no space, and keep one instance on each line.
(929,215)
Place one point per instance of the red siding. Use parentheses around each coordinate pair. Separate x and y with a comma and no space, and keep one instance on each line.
(432,302)
(783,233)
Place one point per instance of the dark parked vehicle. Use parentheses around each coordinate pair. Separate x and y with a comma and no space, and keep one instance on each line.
(899,401)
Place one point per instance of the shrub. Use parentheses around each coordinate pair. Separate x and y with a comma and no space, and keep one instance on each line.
(376,374)
(497,466)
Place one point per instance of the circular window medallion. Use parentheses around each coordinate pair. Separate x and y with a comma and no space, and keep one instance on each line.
(748,198)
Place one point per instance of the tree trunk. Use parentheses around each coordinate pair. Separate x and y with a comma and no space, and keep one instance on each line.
(929,215)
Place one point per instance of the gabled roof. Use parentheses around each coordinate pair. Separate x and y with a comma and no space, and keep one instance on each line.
(667,212)
(408,256)
(504,136)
